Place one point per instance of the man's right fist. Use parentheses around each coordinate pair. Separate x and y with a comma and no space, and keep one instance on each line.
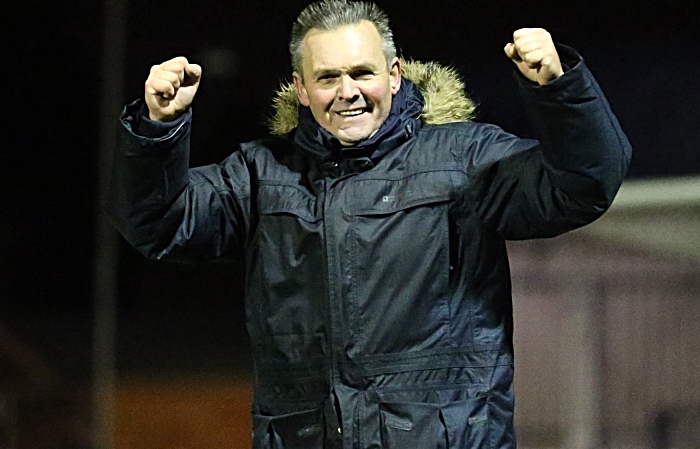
(170,88)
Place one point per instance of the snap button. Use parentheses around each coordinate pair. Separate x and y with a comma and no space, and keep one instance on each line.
(340,430)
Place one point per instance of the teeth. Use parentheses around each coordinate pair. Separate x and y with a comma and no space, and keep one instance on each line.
(351,113)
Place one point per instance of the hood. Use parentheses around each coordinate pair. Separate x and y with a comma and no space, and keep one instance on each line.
(445,99)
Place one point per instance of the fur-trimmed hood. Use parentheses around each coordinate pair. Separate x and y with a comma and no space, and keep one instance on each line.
(445,99)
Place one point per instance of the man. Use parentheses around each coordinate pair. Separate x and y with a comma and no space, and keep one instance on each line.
(373,227)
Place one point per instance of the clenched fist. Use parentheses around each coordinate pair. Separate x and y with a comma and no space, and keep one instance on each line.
(533,51)
(170,88)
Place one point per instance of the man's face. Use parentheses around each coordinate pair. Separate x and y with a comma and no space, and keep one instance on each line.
(346,82)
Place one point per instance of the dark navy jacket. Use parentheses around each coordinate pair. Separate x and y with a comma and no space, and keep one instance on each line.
(378,294)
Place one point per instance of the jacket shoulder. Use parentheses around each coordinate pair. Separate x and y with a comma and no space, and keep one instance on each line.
(269,146)
(462,129)
(464,135)
(473,144)
(271,157)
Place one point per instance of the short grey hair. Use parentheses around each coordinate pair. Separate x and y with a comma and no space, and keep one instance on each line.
(326,15)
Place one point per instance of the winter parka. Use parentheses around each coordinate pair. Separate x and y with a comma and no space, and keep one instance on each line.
(378,295)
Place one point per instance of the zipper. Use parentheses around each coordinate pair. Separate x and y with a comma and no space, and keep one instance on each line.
(334,303)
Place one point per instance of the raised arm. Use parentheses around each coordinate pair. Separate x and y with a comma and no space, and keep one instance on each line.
(571,174)
(164,209)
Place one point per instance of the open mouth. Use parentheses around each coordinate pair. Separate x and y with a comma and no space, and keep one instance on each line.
(352,112)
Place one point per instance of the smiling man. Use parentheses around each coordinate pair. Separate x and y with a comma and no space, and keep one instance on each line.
(349,83)
(373,224)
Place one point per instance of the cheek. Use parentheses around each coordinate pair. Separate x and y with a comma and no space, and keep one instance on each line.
(321,100)
(379,94)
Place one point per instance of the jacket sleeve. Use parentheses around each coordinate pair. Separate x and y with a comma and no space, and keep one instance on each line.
(166,210)
(569,176)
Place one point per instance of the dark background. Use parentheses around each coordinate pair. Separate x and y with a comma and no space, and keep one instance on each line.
(645,54)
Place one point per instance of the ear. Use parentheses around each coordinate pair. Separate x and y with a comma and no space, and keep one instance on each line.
(395,75)
(301,90)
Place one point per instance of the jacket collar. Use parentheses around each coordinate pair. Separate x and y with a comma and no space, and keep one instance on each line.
(401,124)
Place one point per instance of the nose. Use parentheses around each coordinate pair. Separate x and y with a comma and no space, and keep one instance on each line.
(347,89)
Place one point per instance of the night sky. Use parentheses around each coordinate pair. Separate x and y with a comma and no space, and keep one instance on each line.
(645,55)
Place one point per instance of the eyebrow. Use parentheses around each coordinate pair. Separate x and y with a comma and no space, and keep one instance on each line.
(354,69)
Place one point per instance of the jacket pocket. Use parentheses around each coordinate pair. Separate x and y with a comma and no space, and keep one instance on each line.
(400,265)
(283,260)
(455,425)
(300,430)
(412,425)
(467,423)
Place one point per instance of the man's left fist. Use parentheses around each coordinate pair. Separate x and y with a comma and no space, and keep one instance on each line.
(533,51)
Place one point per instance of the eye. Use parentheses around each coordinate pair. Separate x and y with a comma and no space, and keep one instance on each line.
(327,77)
(363,74)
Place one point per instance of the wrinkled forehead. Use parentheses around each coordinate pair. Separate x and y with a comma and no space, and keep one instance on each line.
(345,46)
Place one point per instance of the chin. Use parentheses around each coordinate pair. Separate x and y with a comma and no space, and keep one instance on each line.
(348,141)
(354,137)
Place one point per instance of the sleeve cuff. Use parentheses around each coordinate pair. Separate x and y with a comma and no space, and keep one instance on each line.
(136,116)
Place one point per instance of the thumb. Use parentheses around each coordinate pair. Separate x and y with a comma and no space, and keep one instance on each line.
(512,52)
(193,73)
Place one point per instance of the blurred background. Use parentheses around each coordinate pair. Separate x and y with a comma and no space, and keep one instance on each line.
(100,348)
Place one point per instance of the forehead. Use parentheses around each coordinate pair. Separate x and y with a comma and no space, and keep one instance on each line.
(343,47)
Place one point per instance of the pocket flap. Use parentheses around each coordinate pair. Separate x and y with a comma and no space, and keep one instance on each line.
(411,425)
(286,199)
(386,196)
(300,430)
